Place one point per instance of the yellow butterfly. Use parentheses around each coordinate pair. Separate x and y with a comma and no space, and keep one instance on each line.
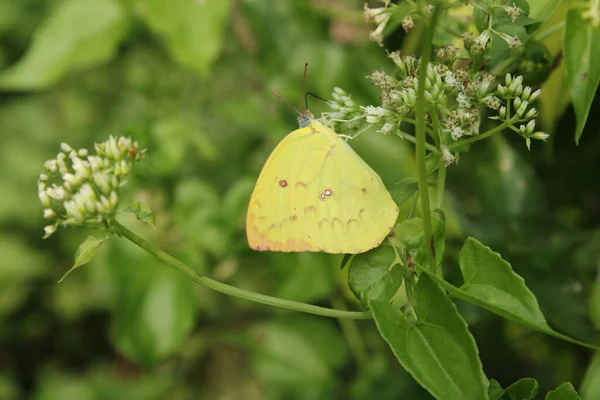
(315,193)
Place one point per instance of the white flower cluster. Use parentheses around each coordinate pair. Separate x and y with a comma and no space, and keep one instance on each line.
(77,188)
(380,16)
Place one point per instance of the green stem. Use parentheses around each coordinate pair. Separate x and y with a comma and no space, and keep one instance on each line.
(441,173)
(231,290)
(412,139)
(477,138)
(420,128)
(547,32)
(441,185)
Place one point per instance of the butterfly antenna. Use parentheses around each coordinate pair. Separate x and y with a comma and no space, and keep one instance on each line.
(315,96)
(285,102)
(304,85)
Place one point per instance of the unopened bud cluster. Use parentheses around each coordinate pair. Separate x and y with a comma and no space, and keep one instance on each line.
(519,98)
(80,189)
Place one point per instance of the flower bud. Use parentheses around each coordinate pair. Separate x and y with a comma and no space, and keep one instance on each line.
(530,127)
(522,108)
(501,90)
(114,199)
(531,113)
(65,147)
(517,102)
(428,96)
(502,112)
(526,93)
(44,198)
(49,230)
(535,95)
(102,181)
(49,213)
(539,136)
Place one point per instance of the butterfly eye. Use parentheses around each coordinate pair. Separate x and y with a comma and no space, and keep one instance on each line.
(328,192)
(322,196)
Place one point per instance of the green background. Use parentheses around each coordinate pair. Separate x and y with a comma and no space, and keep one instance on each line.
(190,81)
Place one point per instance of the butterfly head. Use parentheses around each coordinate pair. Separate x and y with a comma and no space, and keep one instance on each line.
(305,118)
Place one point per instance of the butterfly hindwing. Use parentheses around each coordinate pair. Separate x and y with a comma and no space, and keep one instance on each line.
(316,194)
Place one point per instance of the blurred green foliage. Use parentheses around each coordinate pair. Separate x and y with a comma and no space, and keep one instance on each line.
(190,81)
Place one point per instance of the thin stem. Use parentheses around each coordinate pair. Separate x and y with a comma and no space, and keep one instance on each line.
(547,32)
(441,173)
(412,139)
(477,138)
(440,185)
(421,134)
(231,290)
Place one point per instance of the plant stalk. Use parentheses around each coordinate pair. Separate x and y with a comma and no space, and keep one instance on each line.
(231,290)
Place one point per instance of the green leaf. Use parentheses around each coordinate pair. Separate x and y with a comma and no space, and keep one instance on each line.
(409,236)
(437,349)
(142,212)
(191,30)
(86,251)
(590,387)
(404,191)
(499,49)
(490,282)
(155,306)
(582,57)
(500,17)
(595,305)
(77,34)
(490,279)
(495,391)
(565,391)
(523,389)
(375,275)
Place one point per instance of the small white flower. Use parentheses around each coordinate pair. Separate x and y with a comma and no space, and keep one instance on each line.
(386,128)
(51,165)
(70,178)
(456,132)
(372,119)
(450,79)
(463,100)
(57,193)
